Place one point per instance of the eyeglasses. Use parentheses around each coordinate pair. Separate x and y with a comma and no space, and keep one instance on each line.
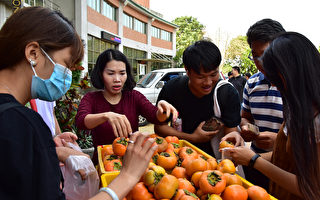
(257,58)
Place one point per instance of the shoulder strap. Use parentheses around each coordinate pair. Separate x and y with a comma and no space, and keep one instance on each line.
(216,107)
(8,105)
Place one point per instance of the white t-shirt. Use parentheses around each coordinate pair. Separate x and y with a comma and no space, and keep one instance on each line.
(45,109)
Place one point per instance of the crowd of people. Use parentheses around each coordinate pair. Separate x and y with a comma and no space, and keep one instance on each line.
(282,100)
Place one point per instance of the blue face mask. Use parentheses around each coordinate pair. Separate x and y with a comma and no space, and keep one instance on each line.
(53,88)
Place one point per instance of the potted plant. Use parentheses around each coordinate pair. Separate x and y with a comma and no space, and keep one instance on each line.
(66,110)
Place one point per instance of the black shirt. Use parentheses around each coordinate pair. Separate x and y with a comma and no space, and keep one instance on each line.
(239,82)
(193,110)
(29,168)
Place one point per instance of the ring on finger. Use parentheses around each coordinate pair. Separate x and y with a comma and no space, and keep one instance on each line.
(131,141)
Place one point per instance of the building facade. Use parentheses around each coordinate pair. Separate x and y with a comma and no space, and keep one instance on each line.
(130,26)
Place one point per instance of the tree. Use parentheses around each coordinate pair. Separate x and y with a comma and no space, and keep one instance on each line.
(237,55)
(190,30)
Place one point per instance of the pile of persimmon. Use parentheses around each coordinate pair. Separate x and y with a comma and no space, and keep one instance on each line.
(182,173)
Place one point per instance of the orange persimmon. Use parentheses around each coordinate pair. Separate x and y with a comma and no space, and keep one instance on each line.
(212,181)
(235,192)
(119,146)
(179,172)
(187,152)
(195,165)
(172,139)
(186,185)
(257,193)
(166,187)
(167,160)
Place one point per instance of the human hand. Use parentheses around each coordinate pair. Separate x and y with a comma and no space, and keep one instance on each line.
(247,134)
(164,111)
(120,124)
(199,135)
(240,155)
(234,137)
(266,140)
(137,157)
(67,137)
(63,152)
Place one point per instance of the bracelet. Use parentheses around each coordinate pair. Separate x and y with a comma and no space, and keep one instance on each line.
(253,160)
(112,194)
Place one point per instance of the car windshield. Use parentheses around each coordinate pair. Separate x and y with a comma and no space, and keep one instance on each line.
(149,79)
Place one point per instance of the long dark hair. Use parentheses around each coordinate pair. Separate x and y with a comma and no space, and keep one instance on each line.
(292,63)
(49,28)
(102,60)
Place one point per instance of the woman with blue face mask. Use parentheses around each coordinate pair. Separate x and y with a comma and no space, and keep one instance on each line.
(37,48)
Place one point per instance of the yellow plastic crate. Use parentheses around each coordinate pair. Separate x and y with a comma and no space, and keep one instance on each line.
(101,165)
(107,177)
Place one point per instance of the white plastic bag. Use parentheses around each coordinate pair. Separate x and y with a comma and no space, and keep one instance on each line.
(74,187)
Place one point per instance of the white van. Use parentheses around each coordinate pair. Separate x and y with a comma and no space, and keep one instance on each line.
(151,84)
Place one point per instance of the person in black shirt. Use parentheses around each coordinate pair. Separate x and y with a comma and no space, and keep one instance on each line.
(192,96)
(238,81)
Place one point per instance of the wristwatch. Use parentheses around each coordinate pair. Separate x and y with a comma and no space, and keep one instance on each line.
(253,160)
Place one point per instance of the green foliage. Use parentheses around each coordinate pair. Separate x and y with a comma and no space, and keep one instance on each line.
(237,55)
(67,106)
(190,30)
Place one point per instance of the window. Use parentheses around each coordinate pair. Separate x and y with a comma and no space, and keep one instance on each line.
(128,21)
(134,24)
(35,2)
(132,56)
(139,26)
(109,11)
(94,4)
(165,35)
(95,47)
(155,32)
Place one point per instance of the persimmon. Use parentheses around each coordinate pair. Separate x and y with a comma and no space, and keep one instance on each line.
(195,178)
(119,146)
(166,187)
(153,176)
(195,165)
(186,185)
(225,144)
(235,192)
(212,181)
(162,143)
(167,160)
(112,165)
(106,150)
(186,161)
(140,192)
(172,139)
(212,163)
(179,172)
(187,152)
(111,157)
(226,166)
(257,193)
(233,179)
(214,197)
(173,147)
(178,194)
(183,194)
(199,193)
